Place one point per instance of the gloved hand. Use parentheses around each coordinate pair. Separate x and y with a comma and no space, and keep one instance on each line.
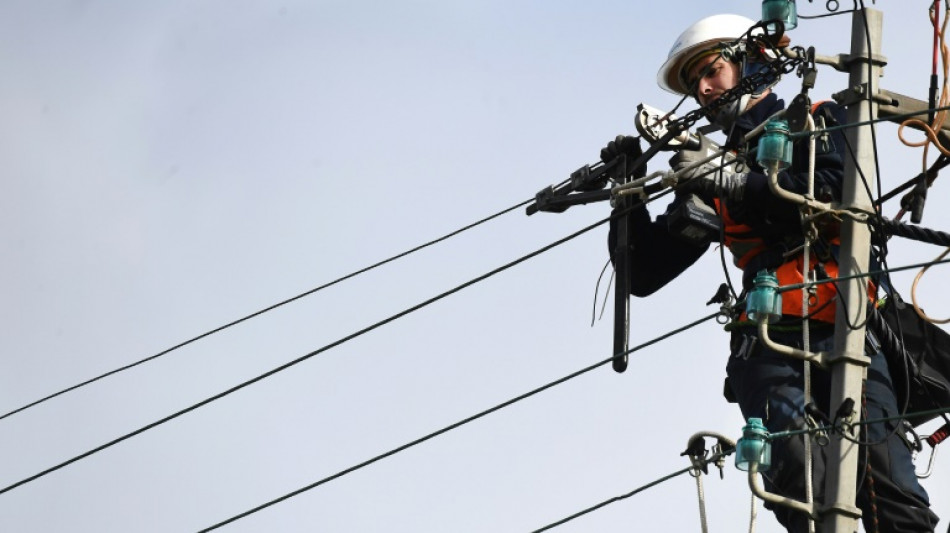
(707,179)
(622,145)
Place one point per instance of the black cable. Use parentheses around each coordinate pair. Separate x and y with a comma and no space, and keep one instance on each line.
(914,232)
(844,303)
(857,165)
(615,499)
(461,422)
(877,222)
(304,357)
(872,223)
(853,155)
(877,225)
(891,118)
(868,319)
(265,310)
(719,177)
(796,286)
(837,427)
(870,100)
(940,163)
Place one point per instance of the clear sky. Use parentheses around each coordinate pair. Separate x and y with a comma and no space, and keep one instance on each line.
(169,167)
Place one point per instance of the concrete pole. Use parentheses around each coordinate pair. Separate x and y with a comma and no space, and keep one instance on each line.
(848,363)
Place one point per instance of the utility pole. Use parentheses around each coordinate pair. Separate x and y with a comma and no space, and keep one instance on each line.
(848,363)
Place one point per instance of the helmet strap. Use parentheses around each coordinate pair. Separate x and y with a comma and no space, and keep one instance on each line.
(725,117)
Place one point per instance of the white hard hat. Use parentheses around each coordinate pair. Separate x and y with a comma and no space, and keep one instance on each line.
(701,36)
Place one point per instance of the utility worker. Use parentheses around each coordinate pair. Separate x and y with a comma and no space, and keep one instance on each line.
(763,231)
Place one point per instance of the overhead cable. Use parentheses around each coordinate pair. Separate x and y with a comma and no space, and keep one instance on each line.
(265,310)
(462,422)
(634,492)
(302,358)
(715,457)
(844,428)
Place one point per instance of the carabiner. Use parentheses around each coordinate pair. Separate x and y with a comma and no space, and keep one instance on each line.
(930,463)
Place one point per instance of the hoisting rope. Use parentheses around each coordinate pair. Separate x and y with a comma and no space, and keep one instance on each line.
(700,458)
(702,500)
(810,232)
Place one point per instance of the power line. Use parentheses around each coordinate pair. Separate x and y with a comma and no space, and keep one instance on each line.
(461,423)
(713,458)
(305,357)
(716,457)
(613,500)
(841,427)
(265,310)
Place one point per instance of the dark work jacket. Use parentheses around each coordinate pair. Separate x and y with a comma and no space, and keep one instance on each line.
(657,256)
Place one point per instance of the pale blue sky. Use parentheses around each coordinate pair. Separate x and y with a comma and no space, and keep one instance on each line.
(170,167)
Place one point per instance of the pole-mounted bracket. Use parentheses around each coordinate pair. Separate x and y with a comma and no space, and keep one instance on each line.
(833,359)
(847,60)
(842,62)
(847,510)
(894,107)
(859,93)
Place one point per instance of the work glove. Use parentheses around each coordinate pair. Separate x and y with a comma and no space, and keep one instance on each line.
(622,145)
(707,179)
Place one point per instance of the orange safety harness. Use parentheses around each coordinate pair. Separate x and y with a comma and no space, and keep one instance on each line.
(745,244)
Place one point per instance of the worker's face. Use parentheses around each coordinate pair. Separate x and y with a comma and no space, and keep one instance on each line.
(712,76)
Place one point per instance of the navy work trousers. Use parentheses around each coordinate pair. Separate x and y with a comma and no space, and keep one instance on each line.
(770,386)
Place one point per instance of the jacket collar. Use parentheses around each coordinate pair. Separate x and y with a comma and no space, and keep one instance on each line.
(763,109)
(757,114)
